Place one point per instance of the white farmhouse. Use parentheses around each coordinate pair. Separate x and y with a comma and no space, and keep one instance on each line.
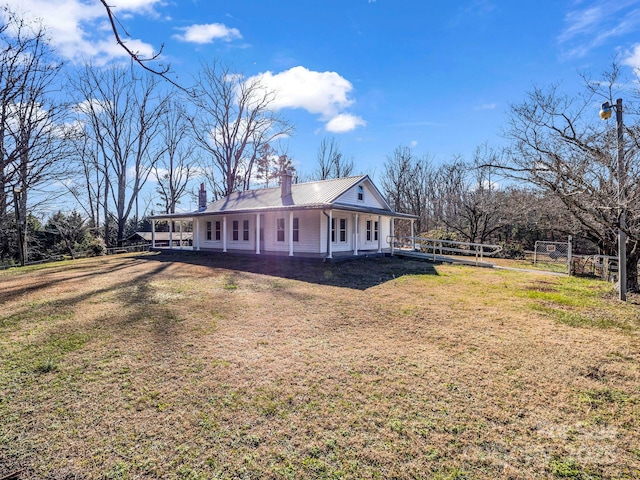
(323,219)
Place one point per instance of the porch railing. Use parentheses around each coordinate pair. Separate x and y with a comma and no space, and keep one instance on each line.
(434,246)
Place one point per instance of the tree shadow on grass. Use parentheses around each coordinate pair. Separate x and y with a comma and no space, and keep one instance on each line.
(55,276)
(358,273)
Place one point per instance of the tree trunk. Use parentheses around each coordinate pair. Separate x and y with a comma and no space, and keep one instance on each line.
(633,256)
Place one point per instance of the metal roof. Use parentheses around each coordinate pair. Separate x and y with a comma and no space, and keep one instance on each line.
(302,195)
(309,195)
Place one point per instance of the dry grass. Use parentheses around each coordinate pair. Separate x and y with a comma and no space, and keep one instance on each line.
(168,366)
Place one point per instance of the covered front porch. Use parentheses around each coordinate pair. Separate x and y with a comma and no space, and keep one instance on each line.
(317,233)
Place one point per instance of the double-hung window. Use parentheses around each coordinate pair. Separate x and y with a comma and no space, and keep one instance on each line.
(343,230)
(375,231)
(235,230)
(245,230)
(280,229)
(341,234)
(208,231)
(296,229)
(218,230)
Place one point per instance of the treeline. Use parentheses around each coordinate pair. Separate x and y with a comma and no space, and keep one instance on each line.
(468,201)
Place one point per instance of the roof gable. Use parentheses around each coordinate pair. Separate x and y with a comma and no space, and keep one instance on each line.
(362,195)
(303,195)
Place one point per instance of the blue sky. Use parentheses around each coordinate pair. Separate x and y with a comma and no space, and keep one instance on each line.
(376,74)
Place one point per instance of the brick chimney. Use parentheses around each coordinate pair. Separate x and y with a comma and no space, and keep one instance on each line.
(285,187)
(202,197)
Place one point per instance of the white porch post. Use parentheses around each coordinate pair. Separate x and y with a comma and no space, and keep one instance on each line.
(392,227)
(330,252)
(291,234)
(355,236)
(196,241)
(257,234)
(379,233)
(224,234)
(153,234)
(170,233)
(413,238)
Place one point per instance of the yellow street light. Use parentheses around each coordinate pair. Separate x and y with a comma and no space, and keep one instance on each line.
(605,111)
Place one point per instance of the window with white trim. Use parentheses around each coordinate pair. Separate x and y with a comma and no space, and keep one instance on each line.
(236,229)
(280,229)
(338,230)
(208,231)
(218,230)
(296,229)
(360,193)
(343,230)
(369,230)
(375,231)
(245,230)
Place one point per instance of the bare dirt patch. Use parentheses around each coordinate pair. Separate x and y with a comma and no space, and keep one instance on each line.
(196,366)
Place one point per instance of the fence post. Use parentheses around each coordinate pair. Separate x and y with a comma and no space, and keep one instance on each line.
(569,255)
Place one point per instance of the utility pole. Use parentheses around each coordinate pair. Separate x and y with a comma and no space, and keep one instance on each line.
(622,237)
(605,114)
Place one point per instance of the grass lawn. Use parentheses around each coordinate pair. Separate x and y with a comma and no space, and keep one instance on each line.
(194,366)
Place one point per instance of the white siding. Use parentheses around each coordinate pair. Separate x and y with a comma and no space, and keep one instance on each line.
(337,245)
(308,232)
(239,244)
(370,199)
(213,243)
(312,232)
(372,244)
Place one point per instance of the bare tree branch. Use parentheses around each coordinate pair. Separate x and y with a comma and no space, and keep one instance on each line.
(135,56)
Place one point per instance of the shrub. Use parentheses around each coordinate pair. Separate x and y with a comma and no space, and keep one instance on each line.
(94,246)
(514,251)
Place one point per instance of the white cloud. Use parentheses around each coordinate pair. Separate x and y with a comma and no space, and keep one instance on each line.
(598,21)
(207,33)
(413,143)
(88,106)
(79,29)
(344,122)
(487,106)
(322,93)
(632,58)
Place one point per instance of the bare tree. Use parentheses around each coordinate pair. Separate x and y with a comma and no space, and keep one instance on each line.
(408,184)
(559,146)
(177,166)
(89,184)
(234,121)
(472,204)
(331,163)
(33,135)
(122,117)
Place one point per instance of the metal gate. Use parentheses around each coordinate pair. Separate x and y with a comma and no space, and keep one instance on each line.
(554,256)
